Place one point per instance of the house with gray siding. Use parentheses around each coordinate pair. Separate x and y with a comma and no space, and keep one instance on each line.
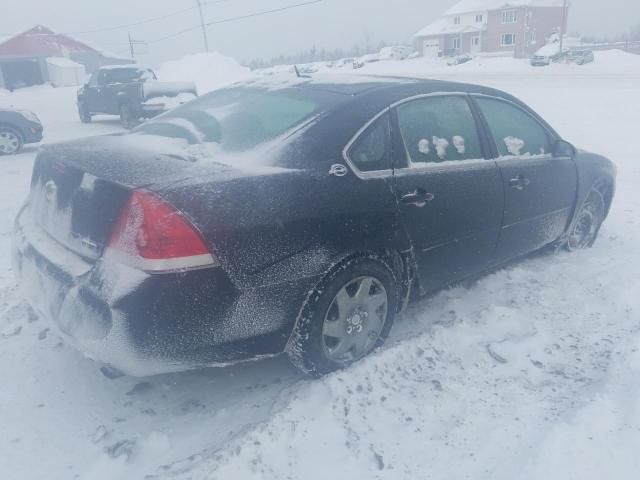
(512,27)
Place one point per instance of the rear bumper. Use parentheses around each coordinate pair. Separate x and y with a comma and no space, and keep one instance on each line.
(145,324)
(150,111)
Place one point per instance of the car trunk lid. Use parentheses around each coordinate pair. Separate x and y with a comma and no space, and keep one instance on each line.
(78,189)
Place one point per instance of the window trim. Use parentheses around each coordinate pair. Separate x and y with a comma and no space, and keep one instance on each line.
(487,141)
(502,44)
(347,149)
(514,15)
(552,135)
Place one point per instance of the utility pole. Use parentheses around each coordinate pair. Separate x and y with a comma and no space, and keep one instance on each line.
(136,43)
(203,26)
(564,25)
(131,45)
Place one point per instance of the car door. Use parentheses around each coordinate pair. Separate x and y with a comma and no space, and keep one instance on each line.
(93,91)
(113,86)
(540,188)
(450,196)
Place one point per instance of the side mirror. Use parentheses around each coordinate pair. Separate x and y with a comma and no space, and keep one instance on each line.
(562,148)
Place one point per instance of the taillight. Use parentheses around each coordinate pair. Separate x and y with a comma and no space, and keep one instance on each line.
(154,237)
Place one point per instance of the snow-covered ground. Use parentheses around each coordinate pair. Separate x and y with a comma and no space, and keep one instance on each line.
(531,372)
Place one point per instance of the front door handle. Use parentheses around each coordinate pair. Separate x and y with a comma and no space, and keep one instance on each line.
(418,197)
(519,182)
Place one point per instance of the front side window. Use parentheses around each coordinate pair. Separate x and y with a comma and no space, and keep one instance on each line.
(103,77)
(370,152)
(456,20)
(456,43)
(515,132)
(93,80)
(479,18)
(438,129)
(508,39)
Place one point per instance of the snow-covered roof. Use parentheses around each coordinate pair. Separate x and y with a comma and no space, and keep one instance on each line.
(445,26)
(62,62)
(470,6)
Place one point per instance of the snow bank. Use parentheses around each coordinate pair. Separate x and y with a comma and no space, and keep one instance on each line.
(209,71)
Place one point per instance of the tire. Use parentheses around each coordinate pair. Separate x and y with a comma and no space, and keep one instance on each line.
(585,228)
(83,113)
(345,317)
(127,117)
(11,141)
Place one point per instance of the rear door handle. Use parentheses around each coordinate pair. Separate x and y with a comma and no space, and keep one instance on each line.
(519,182)
(418,197)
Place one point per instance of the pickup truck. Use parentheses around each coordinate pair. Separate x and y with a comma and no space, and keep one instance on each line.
(132,92)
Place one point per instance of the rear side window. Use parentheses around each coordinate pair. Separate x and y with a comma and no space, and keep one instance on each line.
(370,152)
(439,129)
(515,132)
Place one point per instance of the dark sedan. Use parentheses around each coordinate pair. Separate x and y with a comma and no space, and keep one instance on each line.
(294,217)
(18,127)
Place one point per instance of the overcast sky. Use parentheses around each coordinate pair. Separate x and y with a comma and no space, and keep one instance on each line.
(330,24)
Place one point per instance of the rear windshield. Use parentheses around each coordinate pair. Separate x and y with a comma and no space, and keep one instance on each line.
(128,75)
(236,119)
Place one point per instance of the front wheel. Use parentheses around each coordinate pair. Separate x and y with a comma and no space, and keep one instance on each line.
(128,119)
(10,141)
(83,113)
(346,317)
(588,222)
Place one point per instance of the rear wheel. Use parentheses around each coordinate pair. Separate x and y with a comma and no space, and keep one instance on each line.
(588,222)
(128,119)
(83,113)
(347,316)
(10,141)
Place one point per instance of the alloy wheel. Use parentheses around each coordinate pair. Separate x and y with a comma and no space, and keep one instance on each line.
(9,142)
(586,226)
(355,320)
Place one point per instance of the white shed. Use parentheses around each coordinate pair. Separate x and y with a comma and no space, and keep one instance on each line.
(64,72)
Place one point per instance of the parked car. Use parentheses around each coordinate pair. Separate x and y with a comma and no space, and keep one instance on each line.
(362,61)
(540,61)
(18,127)
(580,56)
(459,59)
(236,236)
(308,69)
(132,92)
(396,52)
(548,54)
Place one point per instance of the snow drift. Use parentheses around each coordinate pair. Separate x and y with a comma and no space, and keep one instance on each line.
(208,70)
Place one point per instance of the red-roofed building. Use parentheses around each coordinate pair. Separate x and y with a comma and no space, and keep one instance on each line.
(23,57)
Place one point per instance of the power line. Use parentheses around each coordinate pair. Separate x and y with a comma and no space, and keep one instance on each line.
(128,25)
(234,19)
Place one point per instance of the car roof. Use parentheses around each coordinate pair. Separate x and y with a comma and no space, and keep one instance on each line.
(124,67)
